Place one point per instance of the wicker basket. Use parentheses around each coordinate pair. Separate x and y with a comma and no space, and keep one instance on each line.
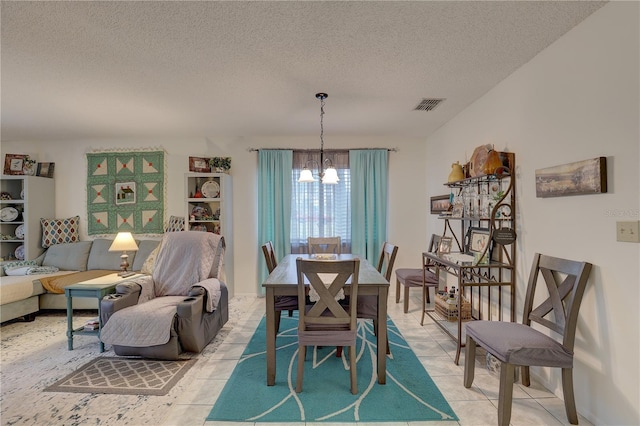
(449,311)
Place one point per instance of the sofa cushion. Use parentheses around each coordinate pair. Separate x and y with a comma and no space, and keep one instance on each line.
(101,258)
(68,257)
(145,248)
(60,231)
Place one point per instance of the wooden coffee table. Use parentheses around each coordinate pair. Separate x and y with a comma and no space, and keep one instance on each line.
(98,288)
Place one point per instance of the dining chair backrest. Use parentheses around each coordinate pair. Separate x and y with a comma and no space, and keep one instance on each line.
(326,322)
(387,259)
(565,282)
(269,256)
(327,311)
(324,245)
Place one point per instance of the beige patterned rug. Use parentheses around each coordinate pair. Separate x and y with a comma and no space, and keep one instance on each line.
(124,376)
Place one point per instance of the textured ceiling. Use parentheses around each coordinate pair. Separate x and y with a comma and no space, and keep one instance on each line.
(77,70)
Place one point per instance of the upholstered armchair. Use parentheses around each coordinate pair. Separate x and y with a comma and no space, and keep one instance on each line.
(179,308)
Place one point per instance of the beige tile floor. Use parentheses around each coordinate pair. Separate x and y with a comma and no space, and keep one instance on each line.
(475,406)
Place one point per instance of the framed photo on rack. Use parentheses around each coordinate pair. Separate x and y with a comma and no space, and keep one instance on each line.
(478,239)
(445,245)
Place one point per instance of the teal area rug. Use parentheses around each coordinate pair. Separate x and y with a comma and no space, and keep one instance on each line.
(408,395)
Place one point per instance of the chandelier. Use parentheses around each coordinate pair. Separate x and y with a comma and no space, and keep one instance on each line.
(328,174)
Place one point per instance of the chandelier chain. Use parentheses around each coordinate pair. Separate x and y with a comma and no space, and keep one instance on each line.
(322,124)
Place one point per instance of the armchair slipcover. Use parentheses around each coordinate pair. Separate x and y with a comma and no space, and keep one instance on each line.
(180,307)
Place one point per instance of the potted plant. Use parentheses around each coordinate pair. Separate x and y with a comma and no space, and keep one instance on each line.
(220,164)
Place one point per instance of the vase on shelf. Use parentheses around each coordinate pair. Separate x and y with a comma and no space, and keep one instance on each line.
(456,172)
(29,169)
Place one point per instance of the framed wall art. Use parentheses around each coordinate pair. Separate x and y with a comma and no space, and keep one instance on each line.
(125,192)
(579,178)
(440,204)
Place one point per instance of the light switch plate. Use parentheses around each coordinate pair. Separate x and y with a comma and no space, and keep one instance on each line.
(628,231)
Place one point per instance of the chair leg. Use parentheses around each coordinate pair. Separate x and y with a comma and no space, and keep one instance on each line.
(302,352)
(397,290)
(569,399)
(526,377)
(338,351)
(505,396)
(353,369)
(290,312)
(425,297)
(469,361)
(406,299)
(278,321)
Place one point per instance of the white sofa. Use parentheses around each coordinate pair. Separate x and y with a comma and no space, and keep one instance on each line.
(25,295)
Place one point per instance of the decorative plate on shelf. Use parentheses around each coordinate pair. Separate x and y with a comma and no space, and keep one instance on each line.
(20,252)
(9,214)
(211,189)
(20,232)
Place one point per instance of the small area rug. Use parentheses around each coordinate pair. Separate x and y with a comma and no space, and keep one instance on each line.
(125,376)
(408,395)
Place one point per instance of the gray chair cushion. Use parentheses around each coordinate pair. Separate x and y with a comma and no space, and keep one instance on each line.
(519,344)
(413,277)
(68,257)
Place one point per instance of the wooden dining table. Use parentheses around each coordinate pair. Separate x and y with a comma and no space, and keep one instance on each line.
(283,281)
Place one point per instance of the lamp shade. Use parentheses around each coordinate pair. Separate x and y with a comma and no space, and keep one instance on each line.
(306,176)
(330,176)
(124,242)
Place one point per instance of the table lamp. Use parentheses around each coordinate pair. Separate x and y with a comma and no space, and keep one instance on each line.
(124,242)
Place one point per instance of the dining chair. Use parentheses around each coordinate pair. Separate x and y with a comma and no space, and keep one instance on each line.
(282,303)
(326,322)
(522,345)
(367,306)
(324,245)
(417,277)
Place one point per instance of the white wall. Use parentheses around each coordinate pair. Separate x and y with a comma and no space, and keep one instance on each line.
(577,99)
(407,199)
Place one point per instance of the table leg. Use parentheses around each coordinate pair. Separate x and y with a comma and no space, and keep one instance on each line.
(69,323)
(271,337)
(100,324)
(382,335)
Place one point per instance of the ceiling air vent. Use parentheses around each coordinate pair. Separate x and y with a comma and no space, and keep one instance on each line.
(428,104)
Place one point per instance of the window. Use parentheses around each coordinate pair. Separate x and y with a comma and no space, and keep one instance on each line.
(319,210)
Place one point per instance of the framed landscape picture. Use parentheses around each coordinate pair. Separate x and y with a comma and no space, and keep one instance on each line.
(440,204)
(579,178)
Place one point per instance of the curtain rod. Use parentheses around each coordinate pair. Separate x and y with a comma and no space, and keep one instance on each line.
(309,149)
